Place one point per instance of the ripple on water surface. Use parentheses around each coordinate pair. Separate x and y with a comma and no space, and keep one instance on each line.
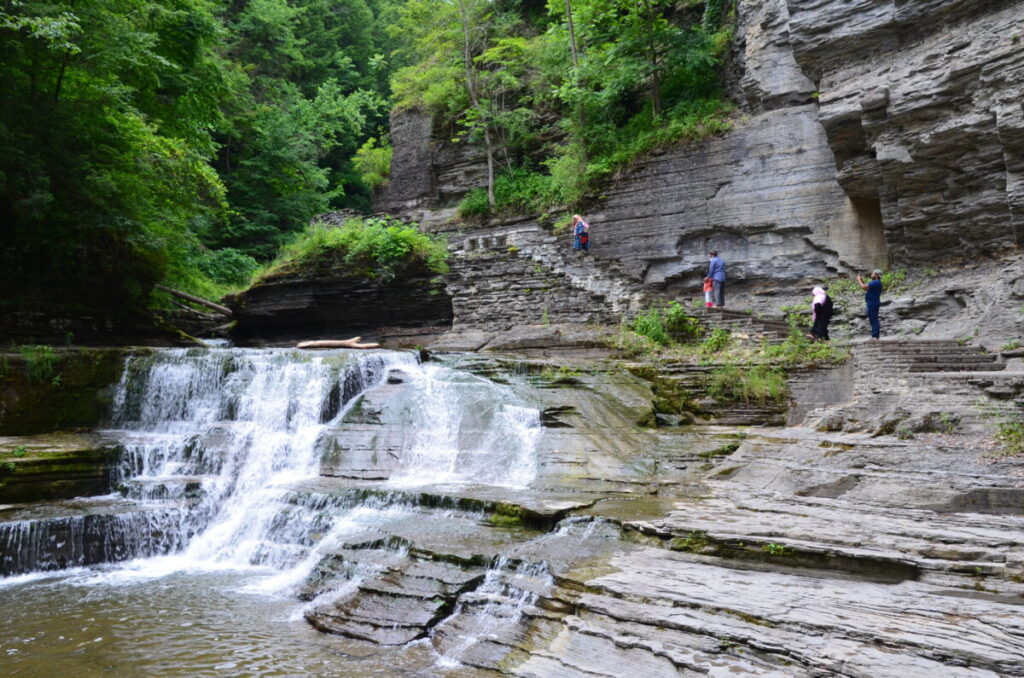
(184,624)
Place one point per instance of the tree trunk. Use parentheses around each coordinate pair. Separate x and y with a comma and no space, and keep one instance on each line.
(572,34)
(223,310)
(354,342)
(575,56)
(60,77)
(652,54)
(467,57)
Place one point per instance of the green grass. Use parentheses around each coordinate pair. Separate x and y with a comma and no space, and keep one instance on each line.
(42,364)
(1010,436)
(760,384)
(665,326)
(375,248)
(717,341)
(798,349)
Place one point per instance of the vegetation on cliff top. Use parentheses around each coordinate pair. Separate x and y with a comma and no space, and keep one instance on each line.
(374,248)
(183,141)
(561,96)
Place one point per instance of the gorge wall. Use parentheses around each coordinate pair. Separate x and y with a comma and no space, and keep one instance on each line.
(871,133)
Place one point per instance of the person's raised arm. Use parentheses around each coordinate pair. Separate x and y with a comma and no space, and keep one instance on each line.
(860,281)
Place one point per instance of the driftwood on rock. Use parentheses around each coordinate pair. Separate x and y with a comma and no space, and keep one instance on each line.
(223,310)
(354,342)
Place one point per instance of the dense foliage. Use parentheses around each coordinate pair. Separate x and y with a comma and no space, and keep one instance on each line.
(185,141)
(375,248)
(561,95)
(177,141)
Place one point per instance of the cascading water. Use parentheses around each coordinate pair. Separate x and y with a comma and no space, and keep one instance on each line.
(228,430)
(221,451)
(464,428)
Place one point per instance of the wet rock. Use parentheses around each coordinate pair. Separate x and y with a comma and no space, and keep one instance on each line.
(44,389)
(90,531)
(56,466)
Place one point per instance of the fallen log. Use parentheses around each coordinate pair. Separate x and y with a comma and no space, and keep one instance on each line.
(223,310)
(354,342)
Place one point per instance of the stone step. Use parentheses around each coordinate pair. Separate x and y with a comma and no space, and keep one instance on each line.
(925,359)
(958,367)
(875,348)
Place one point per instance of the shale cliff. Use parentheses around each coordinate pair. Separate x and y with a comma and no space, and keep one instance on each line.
(872,133)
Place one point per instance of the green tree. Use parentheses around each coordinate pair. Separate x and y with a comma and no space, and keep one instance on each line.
(106,108)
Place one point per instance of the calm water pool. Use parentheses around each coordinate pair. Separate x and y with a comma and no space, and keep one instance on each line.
(128,622)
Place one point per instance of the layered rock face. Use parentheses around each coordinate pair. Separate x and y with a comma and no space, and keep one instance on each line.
(764,196)
(330,303)
(877,133)
(921,103)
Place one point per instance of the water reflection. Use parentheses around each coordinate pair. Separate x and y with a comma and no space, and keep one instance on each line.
(184,624)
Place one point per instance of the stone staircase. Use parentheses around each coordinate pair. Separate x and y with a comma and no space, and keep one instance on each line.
(603,278)
(495,289)
(920,385)
(623,293)
(928,355)
(743,322)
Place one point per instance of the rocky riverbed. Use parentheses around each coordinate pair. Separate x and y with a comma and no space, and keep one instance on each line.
(591,540)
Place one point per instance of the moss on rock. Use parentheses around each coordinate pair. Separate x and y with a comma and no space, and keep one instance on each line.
(60,466)
(44,389)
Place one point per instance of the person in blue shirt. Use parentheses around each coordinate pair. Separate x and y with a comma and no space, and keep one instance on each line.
(580,234)
(872,299)
(716,274)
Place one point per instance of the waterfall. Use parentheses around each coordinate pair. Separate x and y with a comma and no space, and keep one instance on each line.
(214,438)
(220,470)
(467,429)
(494,609)
(227,430)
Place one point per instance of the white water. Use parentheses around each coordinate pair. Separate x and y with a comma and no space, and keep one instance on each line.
(214,440)
(494,608)
(227,431)
(467,429)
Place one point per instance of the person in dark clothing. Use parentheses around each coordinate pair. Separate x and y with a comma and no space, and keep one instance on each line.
(821,309)
(716,274)
(873,300)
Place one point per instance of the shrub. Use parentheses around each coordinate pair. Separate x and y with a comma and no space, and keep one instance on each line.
(651,324)
(373,163)
(716,341)
(522,190)
(759,383)
(374,248)
(664,326)
(893,280)
(41,363)
(680,326)
(228,266)
(474,203)
(797,348)
(1011,436)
